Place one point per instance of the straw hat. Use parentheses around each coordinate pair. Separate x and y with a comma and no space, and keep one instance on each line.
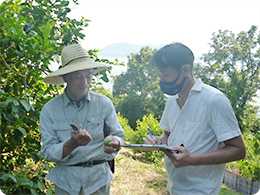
(73,58)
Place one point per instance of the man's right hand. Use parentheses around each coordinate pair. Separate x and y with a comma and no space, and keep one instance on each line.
(155,141)
(80,139)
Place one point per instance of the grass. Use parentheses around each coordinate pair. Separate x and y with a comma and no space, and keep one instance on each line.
(226,191)
(132,176)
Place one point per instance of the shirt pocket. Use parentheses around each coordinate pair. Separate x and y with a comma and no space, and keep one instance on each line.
(63,131)
(95,125)
(192,134)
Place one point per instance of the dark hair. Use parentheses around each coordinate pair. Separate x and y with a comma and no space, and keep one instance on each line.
(174,55)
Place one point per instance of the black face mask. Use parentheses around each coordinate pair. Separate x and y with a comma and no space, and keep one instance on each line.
(170,88)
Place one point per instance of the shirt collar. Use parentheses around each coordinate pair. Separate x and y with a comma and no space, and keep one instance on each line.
(67,101)
(88,99)
(197,86)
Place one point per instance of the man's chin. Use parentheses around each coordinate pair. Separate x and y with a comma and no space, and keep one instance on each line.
(83,92)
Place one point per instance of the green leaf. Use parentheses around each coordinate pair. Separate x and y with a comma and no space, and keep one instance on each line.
(40,185)
(25,182)
(46,43)
(7,176)
(15,109)
(47,30)
(105,78)
(33,191)
(16,103)
(19,122)
(22,130)
(9,117)
(49,191)
(3,104)
(26,105)
(33,33)
(12,32)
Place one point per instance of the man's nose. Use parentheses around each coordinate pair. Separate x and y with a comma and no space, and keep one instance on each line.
(83,80)
(87,80)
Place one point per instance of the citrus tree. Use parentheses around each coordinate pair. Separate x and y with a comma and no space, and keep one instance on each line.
(32,35)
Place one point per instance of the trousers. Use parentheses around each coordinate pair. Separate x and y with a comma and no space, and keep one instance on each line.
(105,190)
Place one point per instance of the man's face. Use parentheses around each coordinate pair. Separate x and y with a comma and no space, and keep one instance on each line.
(167,74)
(79,82)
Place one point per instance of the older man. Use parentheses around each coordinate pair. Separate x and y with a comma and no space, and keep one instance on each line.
(80,155)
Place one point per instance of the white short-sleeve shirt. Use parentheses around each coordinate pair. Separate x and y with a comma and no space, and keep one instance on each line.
(204,122)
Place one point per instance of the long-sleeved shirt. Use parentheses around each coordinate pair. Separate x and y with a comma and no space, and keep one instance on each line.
(55,119)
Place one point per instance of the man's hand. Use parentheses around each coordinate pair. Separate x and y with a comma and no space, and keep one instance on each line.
(233,150)
(76,129)
(155,141)
(180,159)
(80,139)
(112,146)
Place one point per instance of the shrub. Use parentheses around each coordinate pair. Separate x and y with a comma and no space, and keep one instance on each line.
(250,165)
(138,136)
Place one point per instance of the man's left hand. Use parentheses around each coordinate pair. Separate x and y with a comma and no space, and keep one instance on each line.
(113,146)
(180,159)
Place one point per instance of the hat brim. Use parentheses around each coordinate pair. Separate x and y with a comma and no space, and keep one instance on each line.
(80,64)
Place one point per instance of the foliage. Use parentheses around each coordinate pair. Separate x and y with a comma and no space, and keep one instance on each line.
(226,191)
(33,183)
(102,75)
(251,120)
(141,132)
(32,35)
(249,166)
(137,136)
(139,89)
(234,68)
(126,127)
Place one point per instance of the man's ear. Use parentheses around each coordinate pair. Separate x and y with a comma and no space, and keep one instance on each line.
(186,70)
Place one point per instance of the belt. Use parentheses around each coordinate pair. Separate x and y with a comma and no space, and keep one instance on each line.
(90,163)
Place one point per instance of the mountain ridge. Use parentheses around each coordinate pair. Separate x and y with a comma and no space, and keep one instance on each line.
(122,50)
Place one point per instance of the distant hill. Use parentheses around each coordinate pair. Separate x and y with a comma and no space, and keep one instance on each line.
(122,50)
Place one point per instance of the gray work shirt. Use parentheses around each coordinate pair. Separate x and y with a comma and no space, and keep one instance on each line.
(55,119)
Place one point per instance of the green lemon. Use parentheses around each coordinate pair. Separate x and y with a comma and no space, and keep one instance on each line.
(107,141)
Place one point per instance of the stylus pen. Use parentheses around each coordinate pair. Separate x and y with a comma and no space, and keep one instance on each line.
(149,132)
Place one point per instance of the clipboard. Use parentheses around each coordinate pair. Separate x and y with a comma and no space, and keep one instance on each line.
(148,148)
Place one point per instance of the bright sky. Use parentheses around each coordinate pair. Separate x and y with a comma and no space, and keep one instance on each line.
(191,22)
